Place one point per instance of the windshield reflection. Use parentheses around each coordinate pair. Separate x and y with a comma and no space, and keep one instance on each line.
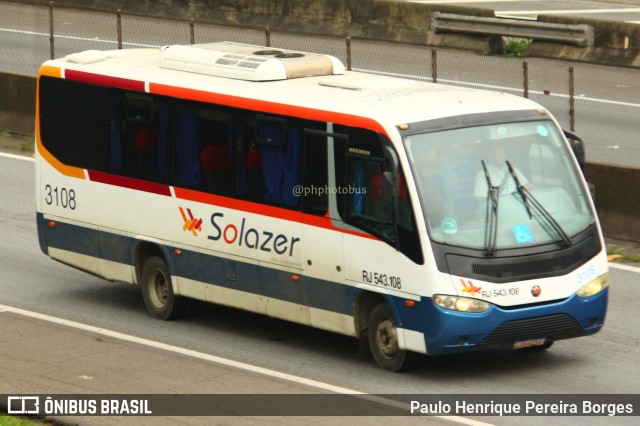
(498,186)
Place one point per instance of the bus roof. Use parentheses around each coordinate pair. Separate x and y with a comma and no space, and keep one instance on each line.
(389,101)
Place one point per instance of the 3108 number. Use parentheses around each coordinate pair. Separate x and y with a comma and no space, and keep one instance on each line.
(60,197)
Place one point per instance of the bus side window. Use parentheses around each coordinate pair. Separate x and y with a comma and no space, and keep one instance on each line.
(137,143)
(270,163)
(249,184)
(364,209)
(215,156)
(187,159)
(281,157)
(73,121)
(146,144)
(365,164)
(315,174)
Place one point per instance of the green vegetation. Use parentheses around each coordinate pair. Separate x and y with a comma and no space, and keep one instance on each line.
(15,421)
(16,142)
(616,253)
(517,47)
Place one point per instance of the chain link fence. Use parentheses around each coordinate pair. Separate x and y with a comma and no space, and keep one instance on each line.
(606,106)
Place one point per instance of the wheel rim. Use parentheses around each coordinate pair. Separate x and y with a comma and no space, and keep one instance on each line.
(159,289)
(387,338)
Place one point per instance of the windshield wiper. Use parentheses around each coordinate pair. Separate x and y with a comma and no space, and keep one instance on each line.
(521,189)
(492,223)
(527,198)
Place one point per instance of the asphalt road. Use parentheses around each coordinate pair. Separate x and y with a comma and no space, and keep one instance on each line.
(602,364)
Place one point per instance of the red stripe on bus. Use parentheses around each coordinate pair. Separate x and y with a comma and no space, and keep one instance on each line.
(266,106)
(235,204)
(130,183)
(263,210)
(104,80)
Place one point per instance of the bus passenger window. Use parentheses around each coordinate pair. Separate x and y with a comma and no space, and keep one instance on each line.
(146,143)
(188,172)
(137,146)
(281,156)
(249,184)
(315,179)
(270,162)
(214,141)
(215,161)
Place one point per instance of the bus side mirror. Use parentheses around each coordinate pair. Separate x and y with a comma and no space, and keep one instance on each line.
(577,146)
(388,191)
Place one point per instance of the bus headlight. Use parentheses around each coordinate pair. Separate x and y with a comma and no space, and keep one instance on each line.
(461,304)
(594,287)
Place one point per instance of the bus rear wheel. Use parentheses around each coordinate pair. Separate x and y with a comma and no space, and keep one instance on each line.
(383,341)
(157,291)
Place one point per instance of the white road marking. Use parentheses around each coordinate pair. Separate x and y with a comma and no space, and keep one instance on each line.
(17,157)
(56,36)
(624,267)
(223,361)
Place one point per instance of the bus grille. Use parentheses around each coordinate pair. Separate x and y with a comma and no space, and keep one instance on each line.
(518,269)
(553,327)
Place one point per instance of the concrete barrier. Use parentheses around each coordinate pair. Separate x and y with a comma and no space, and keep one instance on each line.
(617,207)
(615,43)
(17,103)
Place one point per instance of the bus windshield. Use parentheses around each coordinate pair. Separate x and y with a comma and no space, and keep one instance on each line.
(499,186)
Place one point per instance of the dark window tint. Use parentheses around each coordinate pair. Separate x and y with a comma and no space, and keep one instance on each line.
(269,159)
(74,119)
(138,136)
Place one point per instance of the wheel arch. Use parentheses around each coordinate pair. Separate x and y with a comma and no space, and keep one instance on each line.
(364,304)
(143,251)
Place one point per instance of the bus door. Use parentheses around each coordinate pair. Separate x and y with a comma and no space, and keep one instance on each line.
(373,261)
(323,255)
(273,168)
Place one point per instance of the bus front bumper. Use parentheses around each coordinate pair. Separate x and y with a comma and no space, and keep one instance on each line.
(498,328)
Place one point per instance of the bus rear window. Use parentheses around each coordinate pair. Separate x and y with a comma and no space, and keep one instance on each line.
(74,122)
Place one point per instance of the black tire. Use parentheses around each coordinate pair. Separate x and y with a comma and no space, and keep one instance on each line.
(157,291)
(383,341)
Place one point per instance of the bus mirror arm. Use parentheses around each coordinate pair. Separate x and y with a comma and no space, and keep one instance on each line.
(390,188)
(577,145)
(388,192)
(389,200)
(390,183)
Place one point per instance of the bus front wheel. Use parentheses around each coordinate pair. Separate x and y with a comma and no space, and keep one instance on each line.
(383,341)
(157,291)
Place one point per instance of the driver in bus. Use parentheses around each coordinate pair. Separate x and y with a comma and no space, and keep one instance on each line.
(498,171)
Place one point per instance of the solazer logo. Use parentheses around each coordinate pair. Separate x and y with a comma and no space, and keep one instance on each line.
(191,224)
(470,288)
(244,235)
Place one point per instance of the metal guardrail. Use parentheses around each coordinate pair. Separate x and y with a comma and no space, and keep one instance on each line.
(580,34)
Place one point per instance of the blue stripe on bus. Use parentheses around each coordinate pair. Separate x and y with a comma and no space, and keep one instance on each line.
(211,269)
(70,237)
